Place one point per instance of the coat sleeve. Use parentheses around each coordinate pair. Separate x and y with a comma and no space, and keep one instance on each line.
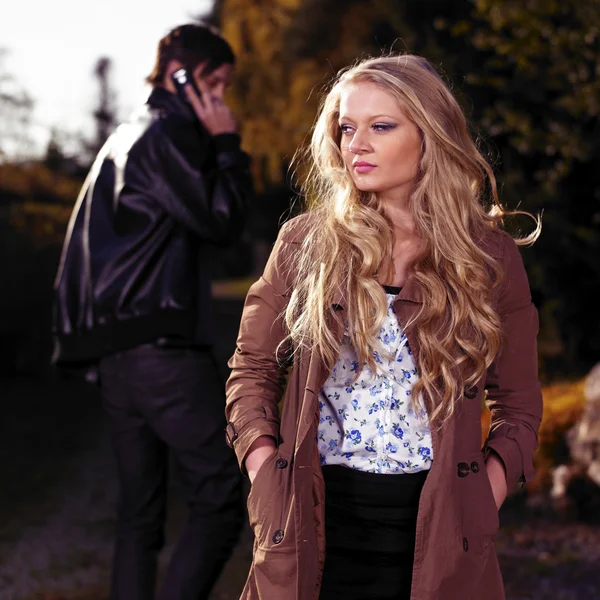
(513,389)
(257,379)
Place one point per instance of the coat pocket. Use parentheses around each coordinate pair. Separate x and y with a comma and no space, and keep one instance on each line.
(264,488)
(480,514)
(270,504)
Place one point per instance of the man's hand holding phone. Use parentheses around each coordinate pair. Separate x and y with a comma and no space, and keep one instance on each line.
(213,113)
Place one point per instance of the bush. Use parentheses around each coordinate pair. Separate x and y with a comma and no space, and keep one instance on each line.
(563,406)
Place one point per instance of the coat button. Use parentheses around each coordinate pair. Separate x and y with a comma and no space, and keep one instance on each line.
(463,469)
(281,463)
(278,537)
(471,392)
(465,544)
(475,466)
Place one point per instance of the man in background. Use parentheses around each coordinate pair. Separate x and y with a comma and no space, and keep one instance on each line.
(133,296)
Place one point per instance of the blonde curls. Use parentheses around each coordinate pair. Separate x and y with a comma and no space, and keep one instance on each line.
(350,241)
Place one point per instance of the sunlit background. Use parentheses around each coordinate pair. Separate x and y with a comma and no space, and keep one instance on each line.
(528,76)
(50,52)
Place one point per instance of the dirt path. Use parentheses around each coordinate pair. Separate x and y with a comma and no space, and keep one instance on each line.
(58,489)
(57,541)
(544,559)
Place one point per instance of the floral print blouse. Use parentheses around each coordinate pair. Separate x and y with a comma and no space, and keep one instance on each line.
(371,424)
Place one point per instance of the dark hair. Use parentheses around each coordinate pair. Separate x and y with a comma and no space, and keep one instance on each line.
(191,44)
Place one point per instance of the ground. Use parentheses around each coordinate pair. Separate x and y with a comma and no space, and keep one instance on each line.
(58,493)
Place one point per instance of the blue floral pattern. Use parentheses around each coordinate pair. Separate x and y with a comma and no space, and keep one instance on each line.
(371,424)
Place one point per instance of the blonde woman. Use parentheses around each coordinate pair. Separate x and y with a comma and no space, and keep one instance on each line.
(391,305)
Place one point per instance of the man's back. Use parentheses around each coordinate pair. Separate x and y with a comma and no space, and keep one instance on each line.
(133,266)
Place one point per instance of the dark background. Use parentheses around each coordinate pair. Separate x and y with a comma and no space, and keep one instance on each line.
(527,74)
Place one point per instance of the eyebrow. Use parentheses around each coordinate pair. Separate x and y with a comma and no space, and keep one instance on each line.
(373,117)
(218,79)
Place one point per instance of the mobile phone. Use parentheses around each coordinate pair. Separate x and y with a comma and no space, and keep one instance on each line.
(180,79)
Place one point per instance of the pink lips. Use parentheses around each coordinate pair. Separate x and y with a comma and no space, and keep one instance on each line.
(363,167)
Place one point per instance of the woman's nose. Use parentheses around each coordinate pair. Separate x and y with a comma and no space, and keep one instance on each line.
(357,145)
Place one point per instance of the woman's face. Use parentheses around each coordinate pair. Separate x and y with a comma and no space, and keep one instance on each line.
(380,145)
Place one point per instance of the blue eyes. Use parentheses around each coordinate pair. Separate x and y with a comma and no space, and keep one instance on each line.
(380,127)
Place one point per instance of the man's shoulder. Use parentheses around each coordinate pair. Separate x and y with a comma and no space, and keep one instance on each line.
(185,137)
(131,138)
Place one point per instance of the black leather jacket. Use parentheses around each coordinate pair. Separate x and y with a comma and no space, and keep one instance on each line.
(134,263)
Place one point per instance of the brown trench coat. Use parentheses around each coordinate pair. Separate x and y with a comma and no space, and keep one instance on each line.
(457,520)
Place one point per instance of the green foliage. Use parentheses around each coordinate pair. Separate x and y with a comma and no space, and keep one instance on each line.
(536,91)
(37,181)
(287,51)
(39,200)
(538,66)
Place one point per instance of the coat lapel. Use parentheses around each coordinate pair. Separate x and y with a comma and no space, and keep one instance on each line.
(407,305)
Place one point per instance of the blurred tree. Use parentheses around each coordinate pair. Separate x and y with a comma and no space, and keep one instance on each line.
(288,50)
(55,158)
(16,108)
(535,86)
(105,114)
(64,153)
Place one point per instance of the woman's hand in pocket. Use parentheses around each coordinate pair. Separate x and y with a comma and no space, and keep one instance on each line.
(258,452)
(497,477)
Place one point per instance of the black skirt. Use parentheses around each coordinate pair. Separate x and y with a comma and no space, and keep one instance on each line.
(370,522)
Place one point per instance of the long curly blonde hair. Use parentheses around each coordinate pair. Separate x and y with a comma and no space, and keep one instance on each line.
(351,239)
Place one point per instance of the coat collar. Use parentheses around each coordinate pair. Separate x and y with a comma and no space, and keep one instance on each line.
(171,103)
(411,291)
